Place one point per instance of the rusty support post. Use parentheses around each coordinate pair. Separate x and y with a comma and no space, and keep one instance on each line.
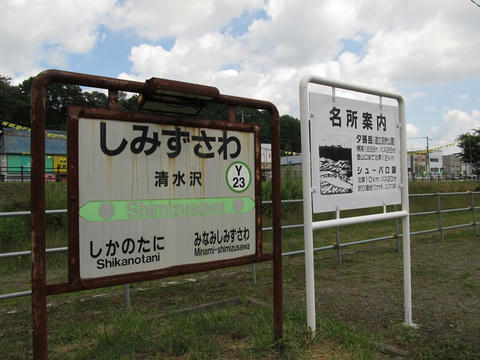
(232,117)
(38,223)
(112,99)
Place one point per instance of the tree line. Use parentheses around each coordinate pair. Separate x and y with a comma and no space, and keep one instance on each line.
(15,108)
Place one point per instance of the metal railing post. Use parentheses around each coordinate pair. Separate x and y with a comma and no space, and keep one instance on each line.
(337,238)
(21,172)
(254,274)
(440,220)
(474,215)
(397,231)
(126,293)
(339,249)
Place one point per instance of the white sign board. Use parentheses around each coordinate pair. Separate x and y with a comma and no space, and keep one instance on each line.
(355,153)
(152,196)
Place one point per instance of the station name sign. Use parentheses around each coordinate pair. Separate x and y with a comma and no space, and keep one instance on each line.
(155,195)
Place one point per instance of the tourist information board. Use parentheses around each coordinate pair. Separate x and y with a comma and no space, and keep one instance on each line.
(355,153)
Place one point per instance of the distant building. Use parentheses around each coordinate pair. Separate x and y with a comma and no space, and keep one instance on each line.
(416,164)
(422,164)
(455,167)
(15,159)
(435,163)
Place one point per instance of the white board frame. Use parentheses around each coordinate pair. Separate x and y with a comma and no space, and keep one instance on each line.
(310,226)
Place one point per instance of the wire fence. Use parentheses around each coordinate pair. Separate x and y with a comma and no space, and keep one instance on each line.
(338,245)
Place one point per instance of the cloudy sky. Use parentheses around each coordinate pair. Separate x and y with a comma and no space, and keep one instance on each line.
(426,50)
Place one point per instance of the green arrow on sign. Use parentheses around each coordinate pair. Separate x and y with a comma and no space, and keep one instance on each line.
(162,209)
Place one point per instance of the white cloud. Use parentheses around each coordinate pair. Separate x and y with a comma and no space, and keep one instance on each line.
(37,32)
(454,123)
(412,130)
(221,70)
(156,20)
(458,122)
(404,43)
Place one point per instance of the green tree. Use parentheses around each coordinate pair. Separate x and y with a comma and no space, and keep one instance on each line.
(470,145)
(127,103)
(220,112)
(14,104)
(58,98)
(95,99)
(214,112)
(289,133)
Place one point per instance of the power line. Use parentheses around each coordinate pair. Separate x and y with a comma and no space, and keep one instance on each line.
(475,3)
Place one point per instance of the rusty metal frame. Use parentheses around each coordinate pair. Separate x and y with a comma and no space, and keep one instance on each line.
(40,289)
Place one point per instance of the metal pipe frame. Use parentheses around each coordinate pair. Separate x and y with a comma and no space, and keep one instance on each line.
(307,189)
(325,224)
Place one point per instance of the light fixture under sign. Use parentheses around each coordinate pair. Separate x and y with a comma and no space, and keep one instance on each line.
(175,97)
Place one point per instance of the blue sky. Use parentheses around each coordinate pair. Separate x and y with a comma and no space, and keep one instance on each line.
(261,49)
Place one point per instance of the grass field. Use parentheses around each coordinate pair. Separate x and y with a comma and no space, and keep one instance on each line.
(359,304)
